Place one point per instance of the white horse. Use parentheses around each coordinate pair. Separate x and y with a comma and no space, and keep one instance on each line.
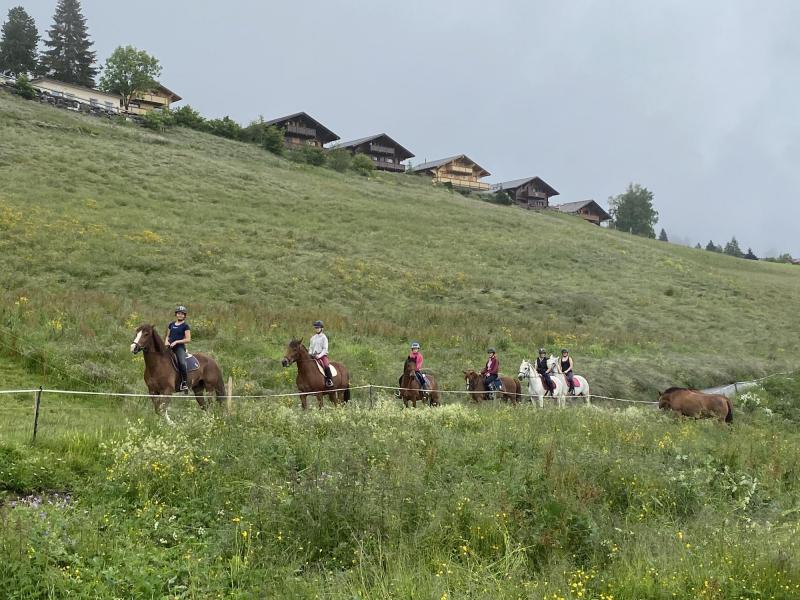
(581,387)
(535,385)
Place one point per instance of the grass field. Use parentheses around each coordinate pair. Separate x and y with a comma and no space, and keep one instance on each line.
(103,227)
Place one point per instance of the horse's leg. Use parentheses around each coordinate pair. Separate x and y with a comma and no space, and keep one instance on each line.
(200,396)
(320,401)
(304,402)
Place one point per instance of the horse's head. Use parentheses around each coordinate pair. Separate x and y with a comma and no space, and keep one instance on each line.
(471,379)
(663,400)
(145,337)
(525,370)
(551,362)
(293,352)
(410,366)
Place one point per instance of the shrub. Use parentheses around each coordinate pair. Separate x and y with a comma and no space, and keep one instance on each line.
(24,88)
(186,116)
(225,127)
(159,120)
(340,160)
(310,155)
(273,139)
(363,165)
(500,197)
(254,132)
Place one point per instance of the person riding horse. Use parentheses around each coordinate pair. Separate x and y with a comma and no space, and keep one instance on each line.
(566,369)
(178,335)
(318,349)
(544,369)
(490,372)
(417,356)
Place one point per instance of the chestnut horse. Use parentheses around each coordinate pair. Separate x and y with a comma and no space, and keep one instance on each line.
(512,388)
(409,386)
(311,381)
(696,404)
(161,374)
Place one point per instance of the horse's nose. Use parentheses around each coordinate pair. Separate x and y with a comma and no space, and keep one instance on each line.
(133,348)
(285,362)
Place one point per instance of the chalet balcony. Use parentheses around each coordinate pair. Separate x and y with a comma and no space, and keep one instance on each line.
(384,165)
(459,170)
(378,149)
(300,130)
(466,184)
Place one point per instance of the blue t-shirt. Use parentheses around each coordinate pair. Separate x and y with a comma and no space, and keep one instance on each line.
(177,331)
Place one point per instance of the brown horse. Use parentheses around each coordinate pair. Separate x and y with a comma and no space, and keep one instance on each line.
(696,404)
(512,388)
(161,373)
(311,381)
(410,386)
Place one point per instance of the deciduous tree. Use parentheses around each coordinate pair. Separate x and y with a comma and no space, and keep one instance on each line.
(130,72)
(633,211)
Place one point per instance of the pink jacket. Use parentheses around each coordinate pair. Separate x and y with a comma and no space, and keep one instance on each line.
(418,358)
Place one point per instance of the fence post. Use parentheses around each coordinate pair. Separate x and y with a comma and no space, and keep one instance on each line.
(36,405)
(370,395)
(229,399)
(735,388)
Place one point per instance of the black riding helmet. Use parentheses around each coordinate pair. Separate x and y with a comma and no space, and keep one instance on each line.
(181,308)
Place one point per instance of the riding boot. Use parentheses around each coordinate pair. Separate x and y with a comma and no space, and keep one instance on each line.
(328,377)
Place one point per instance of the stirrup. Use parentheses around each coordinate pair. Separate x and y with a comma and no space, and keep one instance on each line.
(328,382)
(184,387)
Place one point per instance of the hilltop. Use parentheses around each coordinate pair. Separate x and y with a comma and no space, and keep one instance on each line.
(105,226)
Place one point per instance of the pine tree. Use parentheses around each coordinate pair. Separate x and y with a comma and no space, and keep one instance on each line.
(750,255)
(662,237)
(712,247)
(69,58)
(698,246)
(732,248)
(18,42)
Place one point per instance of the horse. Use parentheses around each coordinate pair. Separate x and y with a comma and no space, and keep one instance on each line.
(536,385)
(311,380)
(581,386)
(693,403)
(161,373)
(512,388)
(409,386)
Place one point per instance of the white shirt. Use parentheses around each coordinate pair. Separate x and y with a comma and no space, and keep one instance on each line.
(318,345)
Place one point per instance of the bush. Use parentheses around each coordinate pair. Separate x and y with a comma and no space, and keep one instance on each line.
(186,116)
(225,127)
(273,139)
(500,197)
(310,155)
(24,88)
(254,132)
(159,120)
(363,165)
(340,160)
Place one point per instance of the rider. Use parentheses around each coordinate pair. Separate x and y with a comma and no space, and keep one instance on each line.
(417,356)
(491,379)
(318,348)
(178,335)
(565,368)
(545,370)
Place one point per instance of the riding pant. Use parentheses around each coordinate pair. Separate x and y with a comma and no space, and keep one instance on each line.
(492,381)
(548,380)
(180,354)
(570,380)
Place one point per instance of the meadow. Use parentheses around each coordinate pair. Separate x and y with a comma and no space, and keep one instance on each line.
(104,226)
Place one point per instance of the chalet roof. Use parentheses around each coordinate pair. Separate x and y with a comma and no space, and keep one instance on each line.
(443,161)
(39,81)
(324,134)
(403,153)
(573,207)
(512,185)
(173,97)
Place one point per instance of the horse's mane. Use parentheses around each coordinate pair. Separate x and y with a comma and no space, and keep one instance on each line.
(158,343)
(296,344)
(678,389)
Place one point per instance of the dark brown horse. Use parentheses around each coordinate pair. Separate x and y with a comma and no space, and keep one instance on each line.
(161,373)
(410,386)
(696,404)
(311,381)
(512,388)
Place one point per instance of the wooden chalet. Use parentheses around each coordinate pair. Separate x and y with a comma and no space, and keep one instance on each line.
(301,129)
(156,99)
(76,97)
(588,210)
(531,192)
(387,154)
(460,171)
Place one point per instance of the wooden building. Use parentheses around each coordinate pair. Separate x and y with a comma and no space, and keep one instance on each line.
(460,171)
(386,154)
(157,98)
(531,192)
(588,210)
(301,129)
(76,97)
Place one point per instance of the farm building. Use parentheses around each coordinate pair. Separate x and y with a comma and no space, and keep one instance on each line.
(588,210)
(387,154)
(301,129)
(76,96)
(460,171)
(530,192)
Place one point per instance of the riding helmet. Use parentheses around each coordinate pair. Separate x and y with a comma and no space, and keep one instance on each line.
(318,324)
(415,345)
(181,308)
(491,351)
(564,351)
(542,351)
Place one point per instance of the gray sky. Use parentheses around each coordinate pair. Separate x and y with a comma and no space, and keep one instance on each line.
(697,101)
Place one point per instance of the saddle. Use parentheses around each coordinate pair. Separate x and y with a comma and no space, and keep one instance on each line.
(544,383)
(192,364)
(334,372)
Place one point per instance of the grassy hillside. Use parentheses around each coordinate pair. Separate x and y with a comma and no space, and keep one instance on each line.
(106,226)
(103,227)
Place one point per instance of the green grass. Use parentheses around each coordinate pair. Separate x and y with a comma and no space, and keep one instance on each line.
(103,227)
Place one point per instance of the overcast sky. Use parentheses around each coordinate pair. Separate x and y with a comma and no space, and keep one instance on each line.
(697,101)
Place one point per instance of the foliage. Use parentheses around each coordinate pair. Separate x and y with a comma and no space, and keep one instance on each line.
(186,116)
(18,41)
(502,197)
(339,159)
(272,140)
(307,154)
(698,246)
(159,120)
(732,248)
(633,211)
(712,247)
(363,164)
(69,57)
(783,258)
(130,72)
(254,132)
(224,127)
(662,236)
(750,255)
(23,87)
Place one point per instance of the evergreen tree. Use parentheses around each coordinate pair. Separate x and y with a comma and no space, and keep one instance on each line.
(633,211)
(732,248)
(69,58)
(712,247)
(698,246)
(18,42)
(662,237)
(750,255)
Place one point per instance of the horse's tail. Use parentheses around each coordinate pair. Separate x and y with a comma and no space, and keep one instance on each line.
(347,393)
(220,390)
(518,390)
(729,416)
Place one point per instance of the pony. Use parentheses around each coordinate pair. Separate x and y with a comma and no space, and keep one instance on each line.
(693,403)
(409,386)
(161,372)
(310,378)
(536,386)
(512,388)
